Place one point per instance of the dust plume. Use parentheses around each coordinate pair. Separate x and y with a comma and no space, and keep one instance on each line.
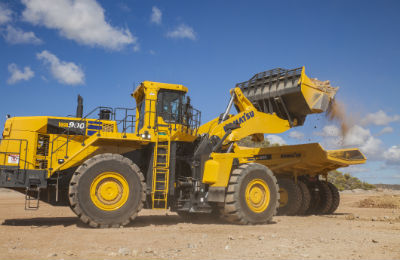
(337,111)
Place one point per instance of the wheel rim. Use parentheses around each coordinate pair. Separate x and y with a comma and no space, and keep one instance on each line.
(284,197)
(257,195)
(109,191)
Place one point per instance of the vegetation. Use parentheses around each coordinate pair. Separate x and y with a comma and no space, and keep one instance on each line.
(347,182)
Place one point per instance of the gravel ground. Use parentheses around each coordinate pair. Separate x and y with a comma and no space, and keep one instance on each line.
(55,233)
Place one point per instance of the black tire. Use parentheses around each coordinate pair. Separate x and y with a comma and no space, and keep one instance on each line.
(82,203)
(291,193)
(325,194)
(306,198)
(335,198)
(315,197)
(236,209)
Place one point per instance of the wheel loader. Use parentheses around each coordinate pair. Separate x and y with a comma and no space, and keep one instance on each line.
(108,165)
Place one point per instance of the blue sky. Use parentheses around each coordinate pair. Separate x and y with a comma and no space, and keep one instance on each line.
(52,50)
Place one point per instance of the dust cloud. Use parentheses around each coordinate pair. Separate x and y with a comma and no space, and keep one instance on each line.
(337,111)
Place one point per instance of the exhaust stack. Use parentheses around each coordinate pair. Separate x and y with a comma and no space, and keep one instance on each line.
(79,108)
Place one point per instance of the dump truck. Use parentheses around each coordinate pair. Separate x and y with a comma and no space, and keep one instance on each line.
(108,165)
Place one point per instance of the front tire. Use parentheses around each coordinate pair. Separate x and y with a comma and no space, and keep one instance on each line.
(108,190)
(252,196)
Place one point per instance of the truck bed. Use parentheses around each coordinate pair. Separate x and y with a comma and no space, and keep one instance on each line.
(310,159)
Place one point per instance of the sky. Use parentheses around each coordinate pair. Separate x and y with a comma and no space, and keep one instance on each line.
(53,50)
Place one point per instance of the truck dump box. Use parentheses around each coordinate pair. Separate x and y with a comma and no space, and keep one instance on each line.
(304,159)
(288,93)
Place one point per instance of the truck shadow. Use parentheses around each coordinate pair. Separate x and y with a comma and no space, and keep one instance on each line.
(140,221)
(42,222)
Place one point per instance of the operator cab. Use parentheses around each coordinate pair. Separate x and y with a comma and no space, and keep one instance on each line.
(162,104)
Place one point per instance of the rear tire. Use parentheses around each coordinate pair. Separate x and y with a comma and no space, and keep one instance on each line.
(290,197)
(315,197)
(335,198)
(108,190)
(306,198)
(325,195)
(252,196)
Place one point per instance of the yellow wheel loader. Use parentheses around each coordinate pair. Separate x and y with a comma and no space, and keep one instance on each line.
(110,164)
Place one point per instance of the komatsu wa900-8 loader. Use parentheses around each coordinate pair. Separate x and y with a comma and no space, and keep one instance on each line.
(110,164)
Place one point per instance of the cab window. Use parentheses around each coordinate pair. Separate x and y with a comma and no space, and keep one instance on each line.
(169,105)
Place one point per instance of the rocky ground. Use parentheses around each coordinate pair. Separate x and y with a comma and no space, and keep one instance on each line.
(358,230)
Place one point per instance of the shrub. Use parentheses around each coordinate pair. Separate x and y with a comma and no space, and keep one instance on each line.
(347,182)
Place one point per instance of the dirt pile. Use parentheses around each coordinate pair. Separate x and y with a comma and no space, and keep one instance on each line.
(385,201)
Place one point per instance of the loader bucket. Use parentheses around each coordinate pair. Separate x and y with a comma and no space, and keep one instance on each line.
(288,93)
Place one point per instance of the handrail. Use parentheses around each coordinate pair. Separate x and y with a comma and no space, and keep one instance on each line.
(19,152)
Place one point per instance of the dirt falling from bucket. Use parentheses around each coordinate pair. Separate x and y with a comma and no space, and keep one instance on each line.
(337,111)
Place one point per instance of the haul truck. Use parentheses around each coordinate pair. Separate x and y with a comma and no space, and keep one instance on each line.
(108,166)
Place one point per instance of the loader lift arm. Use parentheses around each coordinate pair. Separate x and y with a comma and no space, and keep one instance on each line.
(271,102)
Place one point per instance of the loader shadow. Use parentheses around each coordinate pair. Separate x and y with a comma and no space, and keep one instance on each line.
(140,221)
(42,222)
(161,220)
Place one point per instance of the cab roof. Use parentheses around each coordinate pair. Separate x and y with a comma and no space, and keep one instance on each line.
(156,86)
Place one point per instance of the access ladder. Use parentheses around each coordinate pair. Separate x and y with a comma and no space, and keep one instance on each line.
(159,192)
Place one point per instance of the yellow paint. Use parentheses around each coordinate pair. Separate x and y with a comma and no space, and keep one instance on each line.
(257,195)
(217,170)
(109,191)
(304,159)
(312,93)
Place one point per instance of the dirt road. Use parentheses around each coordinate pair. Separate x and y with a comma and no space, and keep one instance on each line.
(55,233)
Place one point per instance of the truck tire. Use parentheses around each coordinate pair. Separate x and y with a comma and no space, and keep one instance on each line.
(252,195)
(107,190)
(315,197)
(306,198)
(290,197)
(335,198)
(325,194)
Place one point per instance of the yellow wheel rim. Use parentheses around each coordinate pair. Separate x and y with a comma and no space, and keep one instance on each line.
(284,198)
(109,191)
(257,195)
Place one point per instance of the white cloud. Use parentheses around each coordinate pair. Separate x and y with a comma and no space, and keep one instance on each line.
(356,169)
(156,15)
(181,32)
(329,131)
(392,155)
(82,21)
(356,136)
(136,48)
(65,72)
(18,75)
(379,118)
(275,139)
(5,14)
(386,130)
(16,36)
(296,135)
